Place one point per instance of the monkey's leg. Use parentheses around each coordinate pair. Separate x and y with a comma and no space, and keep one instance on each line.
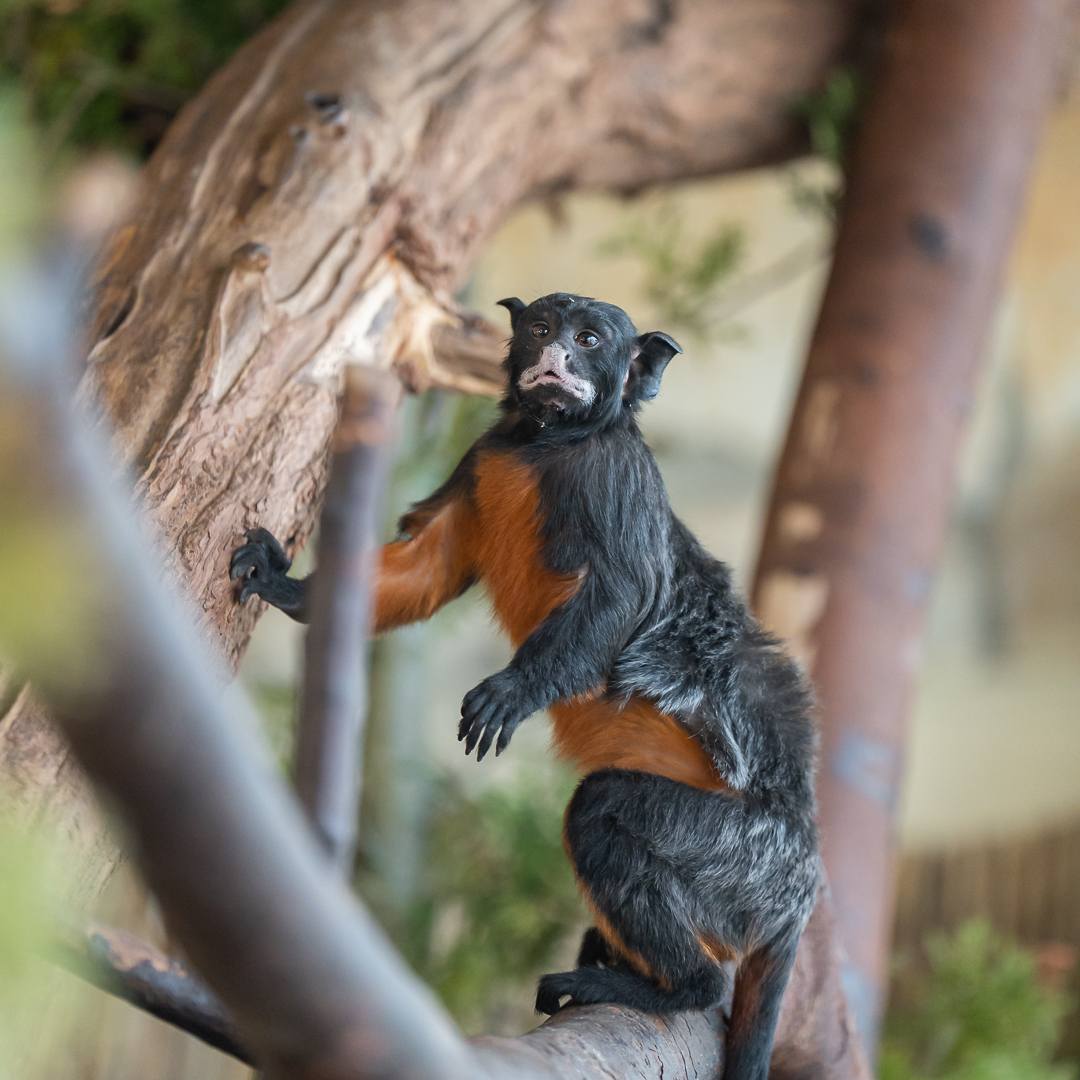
(594,949)
(636,841)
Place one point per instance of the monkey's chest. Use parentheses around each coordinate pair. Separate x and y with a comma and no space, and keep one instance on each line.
(510,550)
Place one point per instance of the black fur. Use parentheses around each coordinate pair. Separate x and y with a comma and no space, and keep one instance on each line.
(669,866)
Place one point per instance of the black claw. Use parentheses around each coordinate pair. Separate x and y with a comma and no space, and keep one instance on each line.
(470,742)
(505,736)
(485,742)
(552,989)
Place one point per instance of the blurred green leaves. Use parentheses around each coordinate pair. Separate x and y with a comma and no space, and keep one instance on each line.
(113,73)
(682,276)
(25,890)
(498,897)
(977,1013)
(830,115)
(21,201)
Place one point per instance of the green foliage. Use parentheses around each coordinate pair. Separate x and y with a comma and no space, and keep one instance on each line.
(978,1013)
(830,115)
(114,72)
(24,892)
(498,896)
(436,429)
(277,705)
(21,202)
(682,279)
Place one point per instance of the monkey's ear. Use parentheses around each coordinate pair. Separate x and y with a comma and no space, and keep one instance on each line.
(515,307)
(647,362)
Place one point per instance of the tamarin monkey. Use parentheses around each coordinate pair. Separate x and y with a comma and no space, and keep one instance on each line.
(692,832)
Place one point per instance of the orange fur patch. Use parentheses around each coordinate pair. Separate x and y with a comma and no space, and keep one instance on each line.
(598,734)
(523,591)
(417,576)
(716,950)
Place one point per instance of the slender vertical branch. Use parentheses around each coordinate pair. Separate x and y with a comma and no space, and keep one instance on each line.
(334,703)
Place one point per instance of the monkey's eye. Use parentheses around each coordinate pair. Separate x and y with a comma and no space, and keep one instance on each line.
(587,339)
(540,329)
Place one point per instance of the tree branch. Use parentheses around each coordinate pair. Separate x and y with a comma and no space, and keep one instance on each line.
(864,486)
(122,965)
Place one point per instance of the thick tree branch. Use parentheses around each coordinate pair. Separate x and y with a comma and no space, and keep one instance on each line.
(864,487)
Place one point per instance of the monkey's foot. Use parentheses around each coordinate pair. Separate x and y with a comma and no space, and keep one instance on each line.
(595,986)
(497,705)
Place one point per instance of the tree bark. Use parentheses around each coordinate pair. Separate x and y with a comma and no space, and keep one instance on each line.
(864,486)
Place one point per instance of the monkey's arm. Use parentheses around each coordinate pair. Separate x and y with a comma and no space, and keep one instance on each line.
(414,577)
(419,575)
(569,653)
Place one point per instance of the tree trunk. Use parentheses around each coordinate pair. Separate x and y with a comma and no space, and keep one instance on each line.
(864,487)
(320,200)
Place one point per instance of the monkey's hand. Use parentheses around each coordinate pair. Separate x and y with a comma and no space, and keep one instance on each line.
(497,705)
(264,566)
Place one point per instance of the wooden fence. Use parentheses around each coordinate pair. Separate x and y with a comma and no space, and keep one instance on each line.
(1028,887)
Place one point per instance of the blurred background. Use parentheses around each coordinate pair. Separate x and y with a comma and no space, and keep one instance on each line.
(463,862)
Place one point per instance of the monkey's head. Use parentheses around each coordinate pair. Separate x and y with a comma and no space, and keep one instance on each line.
(577,361)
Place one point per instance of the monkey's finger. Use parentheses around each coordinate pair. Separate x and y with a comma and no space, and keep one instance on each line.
(489,734)
(245,559)
(506,735)
(252,587)
(273,551)
(550,992)
(478,725)
(470,706)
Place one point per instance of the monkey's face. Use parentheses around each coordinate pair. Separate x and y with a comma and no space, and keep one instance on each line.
(573,359)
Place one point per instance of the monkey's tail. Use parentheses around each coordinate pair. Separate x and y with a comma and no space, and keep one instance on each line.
(759,986)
